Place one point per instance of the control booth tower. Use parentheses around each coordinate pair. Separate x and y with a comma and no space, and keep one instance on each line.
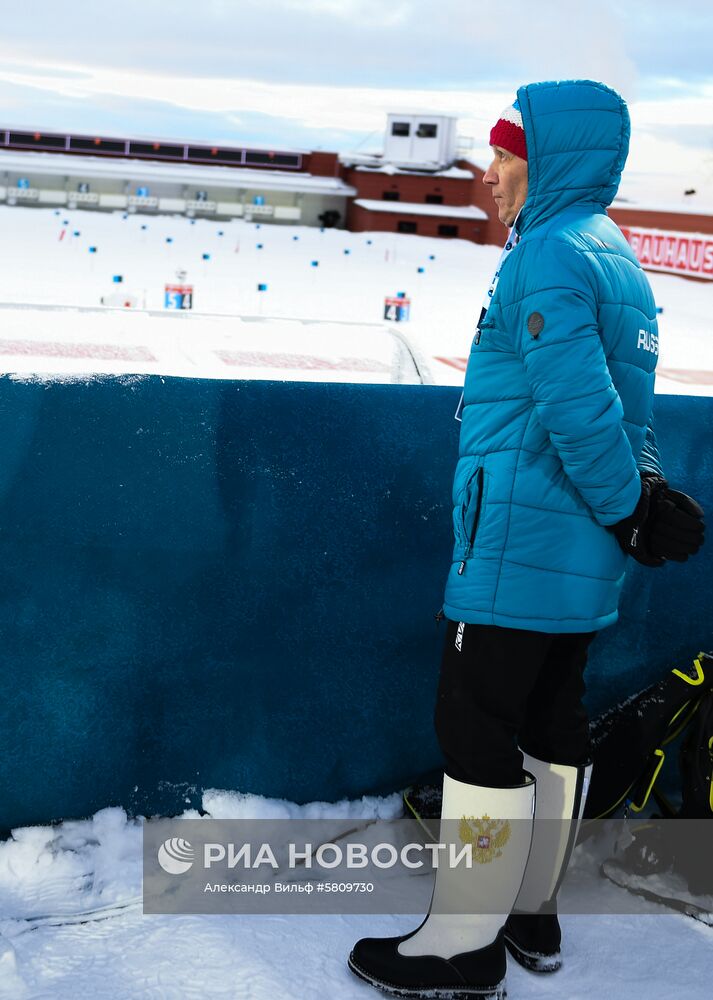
(420,142)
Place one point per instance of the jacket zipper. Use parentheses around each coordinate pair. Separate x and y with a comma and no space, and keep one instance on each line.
(471,540)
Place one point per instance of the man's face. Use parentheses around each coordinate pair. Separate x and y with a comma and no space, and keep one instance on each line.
(507,178)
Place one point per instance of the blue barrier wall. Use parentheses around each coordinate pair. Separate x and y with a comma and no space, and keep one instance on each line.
(233,585)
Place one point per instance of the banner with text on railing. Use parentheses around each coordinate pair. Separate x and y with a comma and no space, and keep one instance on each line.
(676,253)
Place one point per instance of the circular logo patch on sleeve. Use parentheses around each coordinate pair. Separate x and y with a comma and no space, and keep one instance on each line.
(535,324)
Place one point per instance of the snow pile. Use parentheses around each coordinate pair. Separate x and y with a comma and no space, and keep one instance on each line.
(239,805)
(71,925)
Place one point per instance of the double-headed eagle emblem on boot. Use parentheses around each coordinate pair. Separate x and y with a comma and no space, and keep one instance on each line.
(487,836)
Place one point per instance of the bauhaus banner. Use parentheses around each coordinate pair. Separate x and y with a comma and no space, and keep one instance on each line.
(677,253)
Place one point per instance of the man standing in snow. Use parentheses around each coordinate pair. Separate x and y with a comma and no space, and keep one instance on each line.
(558,480)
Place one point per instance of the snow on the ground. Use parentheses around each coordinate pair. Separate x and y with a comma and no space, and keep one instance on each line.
(236,331)
(49,874)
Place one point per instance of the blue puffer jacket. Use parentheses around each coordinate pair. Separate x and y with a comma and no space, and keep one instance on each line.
(556,421)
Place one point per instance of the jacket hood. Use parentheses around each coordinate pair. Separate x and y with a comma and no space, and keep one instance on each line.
(577,135)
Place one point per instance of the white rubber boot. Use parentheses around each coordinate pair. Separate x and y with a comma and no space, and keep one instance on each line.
(459,951)
(532,931)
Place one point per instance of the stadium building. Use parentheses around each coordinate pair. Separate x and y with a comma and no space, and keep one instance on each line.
(421,184)
(160,176)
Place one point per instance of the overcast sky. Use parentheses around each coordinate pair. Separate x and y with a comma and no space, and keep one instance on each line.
(323,73)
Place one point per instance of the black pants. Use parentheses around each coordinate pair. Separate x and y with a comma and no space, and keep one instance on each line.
(501,688)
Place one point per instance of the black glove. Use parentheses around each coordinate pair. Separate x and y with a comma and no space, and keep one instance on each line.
(675,524)
(632,533)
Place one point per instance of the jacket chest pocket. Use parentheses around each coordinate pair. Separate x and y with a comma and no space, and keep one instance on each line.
(492,334)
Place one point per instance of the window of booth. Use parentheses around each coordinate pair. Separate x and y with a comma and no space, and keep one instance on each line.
(446,229)
(402,226)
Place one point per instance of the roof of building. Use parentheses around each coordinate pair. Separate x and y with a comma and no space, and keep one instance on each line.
(375,163)
(390,168)
(165,138)
(664,191)
(58,164)
(481,165)
(416,208)
(676,208)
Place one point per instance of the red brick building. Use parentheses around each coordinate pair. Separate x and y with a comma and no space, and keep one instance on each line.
(420,184)
(452,202)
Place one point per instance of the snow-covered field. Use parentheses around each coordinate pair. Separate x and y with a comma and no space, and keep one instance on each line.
(47,875)
(236,331)
(51,949)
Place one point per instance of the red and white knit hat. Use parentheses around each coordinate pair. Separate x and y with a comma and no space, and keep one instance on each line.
(508,132)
